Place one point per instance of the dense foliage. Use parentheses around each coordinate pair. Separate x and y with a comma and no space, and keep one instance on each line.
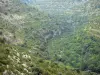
(33,42)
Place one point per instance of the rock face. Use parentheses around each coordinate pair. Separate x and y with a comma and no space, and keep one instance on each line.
(10,38)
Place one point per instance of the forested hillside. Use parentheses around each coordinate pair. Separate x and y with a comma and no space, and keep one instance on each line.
(49,37)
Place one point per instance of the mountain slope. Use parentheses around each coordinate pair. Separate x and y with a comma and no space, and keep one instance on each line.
(33,42)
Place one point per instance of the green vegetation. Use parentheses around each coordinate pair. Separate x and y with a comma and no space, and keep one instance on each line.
(13,61)
(33,42)
(78,50)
